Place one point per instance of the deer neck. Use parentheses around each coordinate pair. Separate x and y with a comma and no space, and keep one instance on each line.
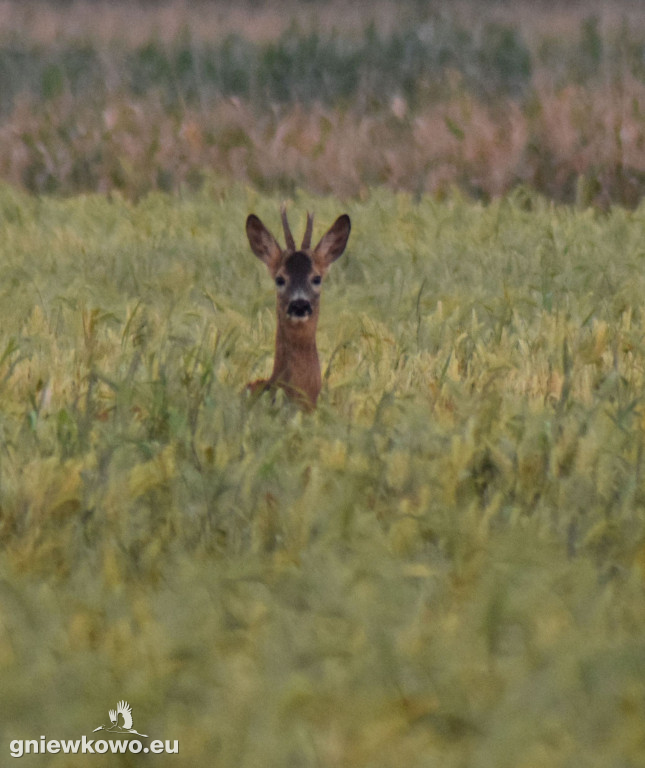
(296,367)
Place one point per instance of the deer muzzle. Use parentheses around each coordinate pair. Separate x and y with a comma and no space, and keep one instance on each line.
(299,309)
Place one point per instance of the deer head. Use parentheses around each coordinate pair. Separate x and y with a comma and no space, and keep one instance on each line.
(298,274)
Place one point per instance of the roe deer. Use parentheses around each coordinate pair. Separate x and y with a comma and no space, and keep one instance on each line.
(298,275)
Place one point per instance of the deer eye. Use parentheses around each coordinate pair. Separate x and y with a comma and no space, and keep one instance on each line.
(316,280)
(280,281)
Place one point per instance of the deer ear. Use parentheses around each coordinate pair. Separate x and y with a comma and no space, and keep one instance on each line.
(333,242)
(262,243)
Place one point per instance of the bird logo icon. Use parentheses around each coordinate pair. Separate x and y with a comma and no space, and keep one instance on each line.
(125,710)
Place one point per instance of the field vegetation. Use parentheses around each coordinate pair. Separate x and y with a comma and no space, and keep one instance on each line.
(415,96)
(444,564)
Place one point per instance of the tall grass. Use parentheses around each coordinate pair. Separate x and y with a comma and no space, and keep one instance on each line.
(443,564)
(422,101)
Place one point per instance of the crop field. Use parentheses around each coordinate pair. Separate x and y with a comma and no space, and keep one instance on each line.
(444,564)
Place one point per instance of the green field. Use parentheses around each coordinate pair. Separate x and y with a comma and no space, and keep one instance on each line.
(443,565)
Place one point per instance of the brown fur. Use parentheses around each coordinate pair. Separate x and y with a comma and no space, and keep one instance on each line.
(296,367)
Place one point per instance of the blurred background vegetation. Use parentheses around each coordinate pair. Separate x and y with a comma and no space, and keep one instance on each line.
(419,96)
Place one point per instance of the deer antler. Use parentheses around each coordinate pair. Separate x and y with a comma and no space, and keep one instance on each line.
(291,245)
(306,240)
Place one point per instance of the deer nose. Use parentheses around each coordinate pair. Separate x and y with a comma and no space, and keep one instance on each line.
(299,308)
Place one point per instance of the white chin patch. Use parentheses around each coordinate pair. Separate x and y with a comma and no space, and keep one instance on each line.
(298,318)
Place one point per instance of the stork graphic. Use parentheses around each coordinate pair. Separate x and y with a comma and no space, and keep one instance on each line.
(125,710)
